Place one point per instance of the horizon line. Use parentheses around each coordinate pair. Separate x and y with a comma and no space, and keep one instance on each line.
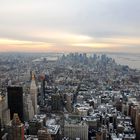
(39,52)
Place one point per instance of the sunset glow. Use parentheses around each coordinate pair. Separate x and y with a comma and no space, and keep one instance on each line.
(71,26)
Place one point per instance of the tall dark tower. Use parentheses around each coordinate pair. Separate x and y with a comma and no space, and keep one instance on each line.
(42,78)
(15,101)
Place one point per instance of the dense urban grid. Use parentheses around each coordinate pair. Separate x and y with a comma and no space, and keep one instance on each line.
(68,97)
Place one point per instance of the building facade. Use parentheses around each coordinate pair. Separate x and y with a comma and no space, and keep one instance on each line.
(33,93)
(15,101)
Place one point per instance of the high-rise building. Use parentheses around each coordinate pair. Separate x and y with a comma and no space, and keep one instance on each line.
(74,128)
(33,93)
(28,107)
(4,111)
(76,131)
(15,101)
(42,78)
(56,102)
(15,129)
(137,123)
(69,99)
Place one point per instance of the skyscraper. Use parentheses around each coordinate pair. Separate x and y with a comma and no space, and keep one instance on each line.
(33,92)
(69,99)
(15,129)
(15,101)
(28,107)
(4,110)
(56,102)
(42,78)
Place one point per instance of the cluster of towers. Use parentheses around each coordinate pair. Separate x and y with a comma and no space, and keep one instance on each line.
(18,107)
(24,105)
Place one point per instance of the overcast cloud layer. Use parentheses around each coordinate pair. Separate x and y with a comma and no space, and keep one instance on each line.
(70,25)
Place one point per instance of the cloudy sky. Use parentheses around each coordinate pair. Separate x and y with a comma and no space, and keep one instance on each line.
(70,25)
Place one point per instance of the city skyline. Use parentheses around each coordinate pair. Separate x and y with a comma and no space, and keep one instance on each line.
(68,26)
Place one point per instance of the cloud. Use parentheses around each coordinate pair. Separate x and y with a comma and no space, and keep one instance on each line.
(64,23)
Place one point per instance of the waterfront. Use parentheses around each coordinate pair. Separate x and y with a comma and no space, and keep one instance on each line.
(132,60)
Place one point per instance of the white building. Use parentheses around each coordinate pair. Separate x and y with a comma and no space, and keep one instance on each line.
(74,129)
(33,93)
(28,107)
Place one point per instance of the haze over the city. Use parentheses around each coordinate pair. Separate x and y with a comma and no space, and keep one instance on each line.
(70,25)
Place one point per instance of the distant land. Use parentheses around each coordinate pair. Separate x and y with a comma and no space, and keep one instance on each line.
(130,59)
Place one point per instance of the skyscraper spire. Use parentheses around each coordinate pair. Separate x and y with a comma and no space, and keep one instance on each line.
(33,77)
